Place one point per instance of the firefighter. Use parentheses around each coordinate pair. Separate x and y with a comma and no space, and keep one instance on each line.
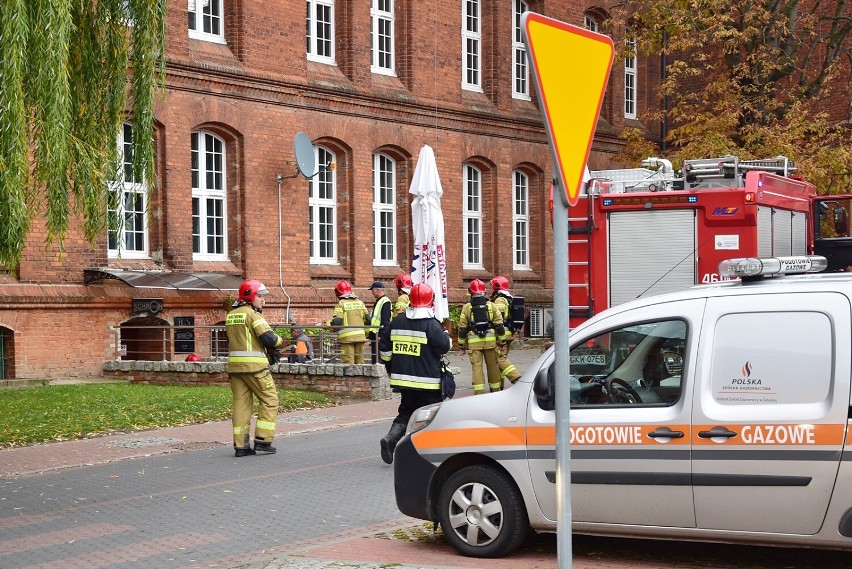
(502,299)
(351,315)
(403,287)
(250,338)
(480,324)
(379,319)
(411,352)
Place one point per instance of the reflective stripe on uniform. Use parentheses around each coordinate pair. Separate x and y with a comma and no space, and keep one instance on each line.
(247,360)
(241,430)
(265,425)
(416,384)
(244,354)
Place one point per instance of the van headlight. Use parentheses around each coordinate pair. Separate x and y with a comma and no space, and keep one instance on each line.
(422,417)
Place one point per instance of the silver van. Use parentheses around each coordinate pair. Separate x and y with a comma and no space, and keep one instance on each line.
(720,413)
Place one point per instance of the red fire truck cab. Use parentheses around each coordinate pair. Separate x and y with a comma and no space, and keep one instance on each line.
(644,231)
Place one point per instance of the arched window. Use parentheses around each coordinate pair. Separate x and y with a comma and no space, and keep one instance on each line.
(521,220)
(209,203)
(127,232)
(384,209)
(520,67)
(472,215)
(322,202)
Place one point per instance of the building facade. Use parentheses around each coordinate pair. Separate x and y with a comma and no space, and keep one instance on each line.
(370,82)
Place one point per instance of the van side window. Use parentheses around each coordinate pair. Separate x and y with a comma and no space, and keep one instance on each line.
(772,358)
(640,364)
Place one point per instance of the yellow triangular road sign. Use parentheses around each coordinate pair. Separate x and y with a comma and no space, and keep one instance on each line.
(571,66)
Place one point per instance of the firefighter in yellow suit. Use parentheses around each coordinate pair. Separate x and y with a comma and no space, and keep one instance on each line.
(249,337)
(502,299)
(403,301)
(479,337)
(349,312)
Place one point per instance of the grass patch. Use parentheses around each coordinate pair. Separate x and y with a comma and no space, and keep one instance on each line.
(65,412)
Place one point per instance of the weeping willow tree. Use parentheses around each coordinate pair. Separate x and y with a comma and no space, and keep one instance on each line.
(751,78)
(68,72)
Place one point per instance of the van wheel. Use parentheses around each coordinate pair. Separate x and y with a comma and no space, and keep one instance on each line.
(482,513)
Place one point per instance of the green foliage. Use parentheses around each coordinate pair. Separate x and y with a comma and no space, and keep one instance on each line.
(63,412)
(64,73)
(748,78)
(455,312)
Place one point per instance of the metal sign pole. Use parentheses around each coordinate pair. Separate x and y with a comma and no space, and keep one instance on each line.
(561,383)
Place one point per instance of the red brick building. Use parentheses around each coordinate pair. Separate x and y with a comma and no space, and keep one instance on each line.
(370,83)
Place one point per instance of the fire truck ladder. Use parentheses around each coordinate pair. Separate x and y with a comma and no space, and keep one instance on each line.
(579,231)
(731,167)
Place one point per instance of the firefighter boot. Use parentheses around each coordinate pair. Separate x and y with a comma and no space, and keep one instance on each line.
(388,442)
(238,452)
(264,448)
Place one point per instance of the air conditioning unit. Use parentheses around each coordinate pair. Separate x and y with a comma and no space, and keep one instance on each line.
(541,322)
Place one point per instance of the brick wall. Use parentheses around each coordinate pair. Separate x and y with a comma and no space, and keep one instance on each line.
(256,92)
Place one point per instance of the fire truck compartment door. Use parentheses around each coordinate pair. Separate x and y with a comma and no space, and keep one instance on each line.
(781,232)
(773,378)
(650,252)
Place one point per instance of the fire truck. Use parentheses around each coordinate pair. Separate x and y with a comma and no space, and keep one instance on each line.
(642,231)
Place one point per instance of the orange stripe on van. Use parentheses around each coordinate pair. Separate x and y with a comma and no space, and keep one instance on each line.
(470,438)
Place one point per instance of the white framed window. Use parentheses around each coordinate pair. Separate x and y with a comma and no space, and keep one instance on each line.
(382,37)
(630,81)
(521,221)
(384,209)
(472,217)
(319,29)
(590,23)
(206,21)
(520,65)
(209,203)
(471,45)
(322,203)
(127,233)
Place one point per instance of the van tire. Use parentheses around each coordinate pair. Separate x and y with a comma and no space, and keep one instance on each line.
(480,497)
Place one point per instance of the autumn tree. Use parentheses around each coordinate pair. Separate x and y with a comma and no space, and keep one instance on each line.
(69,70)
(749,78)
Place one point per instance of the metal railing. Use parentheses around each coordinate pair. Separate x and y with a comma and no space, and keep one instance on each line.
(210,343)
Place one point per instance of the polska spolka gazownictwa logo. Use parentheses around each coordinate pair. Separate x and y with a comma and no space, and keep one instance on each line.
(746,382)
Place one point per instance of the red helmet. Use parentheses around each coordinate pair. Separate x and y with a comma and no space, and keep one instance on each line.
(193,358)
(499,283)
(476,287)
(250,289)
(403,281)
(342,288)
(422,296)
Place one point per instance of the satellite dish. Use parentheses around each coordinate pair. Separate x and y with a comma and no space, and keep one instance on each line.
(305,159)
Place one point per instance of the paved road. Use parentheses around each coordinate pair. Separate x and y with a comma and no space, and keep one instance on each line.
(178,498)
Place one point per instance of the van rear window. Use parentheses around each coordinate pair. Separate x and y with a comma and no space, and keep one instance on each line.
(772,358)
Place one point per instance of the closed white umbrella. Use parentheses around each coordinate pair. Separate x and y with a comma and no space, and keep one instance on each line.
(429,263)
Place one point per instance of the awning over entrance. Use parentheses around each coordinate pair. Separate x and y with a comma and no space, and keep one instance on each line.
(164,279)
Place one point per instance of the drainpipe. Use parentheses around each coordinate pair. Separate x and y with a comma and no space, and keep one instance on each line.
(280,252)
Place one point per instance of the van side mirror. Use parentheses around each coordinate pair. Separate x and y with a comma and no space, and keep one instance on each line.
(543,388)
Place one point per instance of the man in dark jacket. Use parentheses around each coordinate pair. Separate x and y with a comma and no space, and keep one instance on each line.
(379,319)
(411,352)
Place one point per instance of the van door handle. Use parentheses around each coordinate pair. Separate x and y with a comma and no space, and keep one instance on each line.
(665,433)
(717,432)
